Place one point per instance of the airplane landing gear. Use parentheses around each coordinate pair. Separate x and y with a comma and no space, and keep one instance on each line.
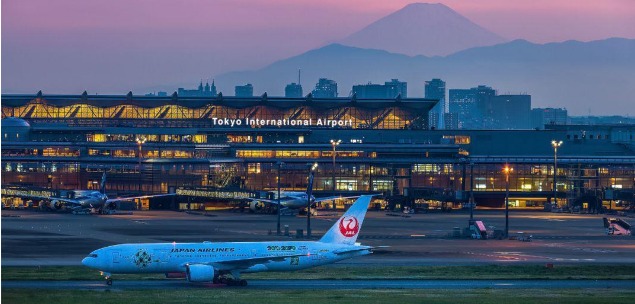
(230,281)
(107,277)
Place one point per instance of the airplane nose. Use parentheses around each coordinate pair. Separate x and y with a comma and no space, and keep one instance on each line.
(89,262)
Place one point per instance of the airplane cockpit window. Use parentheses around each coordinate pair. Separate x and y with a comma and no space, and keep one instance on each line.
(92,255)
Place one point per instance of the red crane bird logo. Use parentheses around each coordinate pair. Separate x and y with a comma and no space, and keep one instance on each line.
(349,226)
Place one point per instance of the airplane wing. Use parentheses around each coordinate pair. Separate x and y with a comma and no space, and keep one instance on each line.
(119,199)
(275,202)
(330,198)
(248,262)
(49,198)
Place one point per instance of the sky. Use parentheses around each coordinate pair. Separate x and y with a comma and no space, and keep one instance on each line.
(114,46)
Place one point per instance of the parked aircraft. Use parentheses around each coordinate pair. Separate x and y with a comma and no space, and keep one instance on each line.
(86,200)
(224,262)
(290,200)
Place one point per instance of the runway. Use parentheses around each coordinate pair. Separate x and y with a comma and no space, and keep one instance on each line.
(328,284)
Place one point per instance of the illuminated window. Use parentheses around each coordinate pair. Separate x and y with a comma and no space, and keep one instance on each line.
(124,153)
(253,168)
(458,139)
(301,139)
(98,138)
(239,138)
(60,152)
(425,168)
(200,138)
(462,140)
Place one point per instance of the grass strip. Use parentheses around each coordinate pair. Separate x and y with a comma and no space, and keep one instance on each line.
(242,295)
(583,272)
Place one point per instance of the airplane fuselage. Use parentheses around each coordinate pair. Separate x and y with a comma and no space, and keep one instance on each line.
(295,201)
(174,257)
(94,200)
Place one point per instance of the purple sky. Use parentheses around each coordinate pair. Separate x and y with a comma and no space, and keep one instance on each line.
(112,46)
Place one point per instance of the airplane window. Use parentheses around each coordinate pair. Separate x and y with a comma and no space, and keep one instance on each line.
(92,255)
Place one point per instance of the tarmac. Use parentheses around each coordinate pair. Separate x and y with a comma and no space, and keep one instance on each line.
(33,238)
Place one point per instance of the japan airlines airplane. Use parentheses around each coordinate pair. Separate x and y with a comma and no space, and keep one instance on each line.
(216,262)
(91,200)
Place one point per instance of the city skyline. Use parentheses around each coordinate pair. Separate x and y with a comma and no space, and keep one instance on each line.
(114,47)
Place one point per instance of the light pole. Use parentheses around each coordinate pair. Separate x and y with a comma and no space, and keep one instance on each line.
(507,170)
(471,193)
(334,144)
(555,144)
(140,141)
(309,191)
(279,163)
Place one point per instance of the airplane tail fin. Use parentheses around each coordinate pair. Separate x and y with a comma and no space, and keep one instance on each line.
(102,186)
(346,229)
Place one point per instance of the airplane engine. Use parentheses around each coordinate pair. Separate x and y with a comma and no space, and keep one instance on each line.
(110,206)
(200,273)
(256,206)
(55,205)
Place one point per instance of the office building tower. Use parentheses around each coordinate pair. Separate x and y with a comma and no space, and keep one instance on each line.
(293,90)
(435,89)
(548,116)
(244,90)
(325,88)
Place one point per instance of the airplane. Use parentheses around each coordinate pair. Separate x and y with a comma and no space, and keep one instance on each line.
(289,200)
(216,262)
(91,200)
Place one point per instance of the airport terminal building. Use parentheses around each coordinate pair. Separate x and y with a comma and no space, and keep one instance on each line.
(210,147)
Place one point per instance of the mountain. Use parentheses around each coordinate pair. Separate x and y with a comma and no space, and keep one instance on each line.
(580,76)
(423,29)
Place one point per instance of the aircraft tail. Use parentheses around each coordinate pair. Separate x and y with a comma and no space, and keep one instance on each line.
(346,229)
(102,186)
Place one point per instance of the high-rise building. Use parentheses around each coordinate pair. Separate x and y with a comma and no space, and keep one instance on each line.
(369,90)
(293,90)
(481,108)
(463,105)
(548,116)
(435,89)
(396,87)
(244,90)
(388,90)
(507,112)
(325,88)
(451,121)
(200,91)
